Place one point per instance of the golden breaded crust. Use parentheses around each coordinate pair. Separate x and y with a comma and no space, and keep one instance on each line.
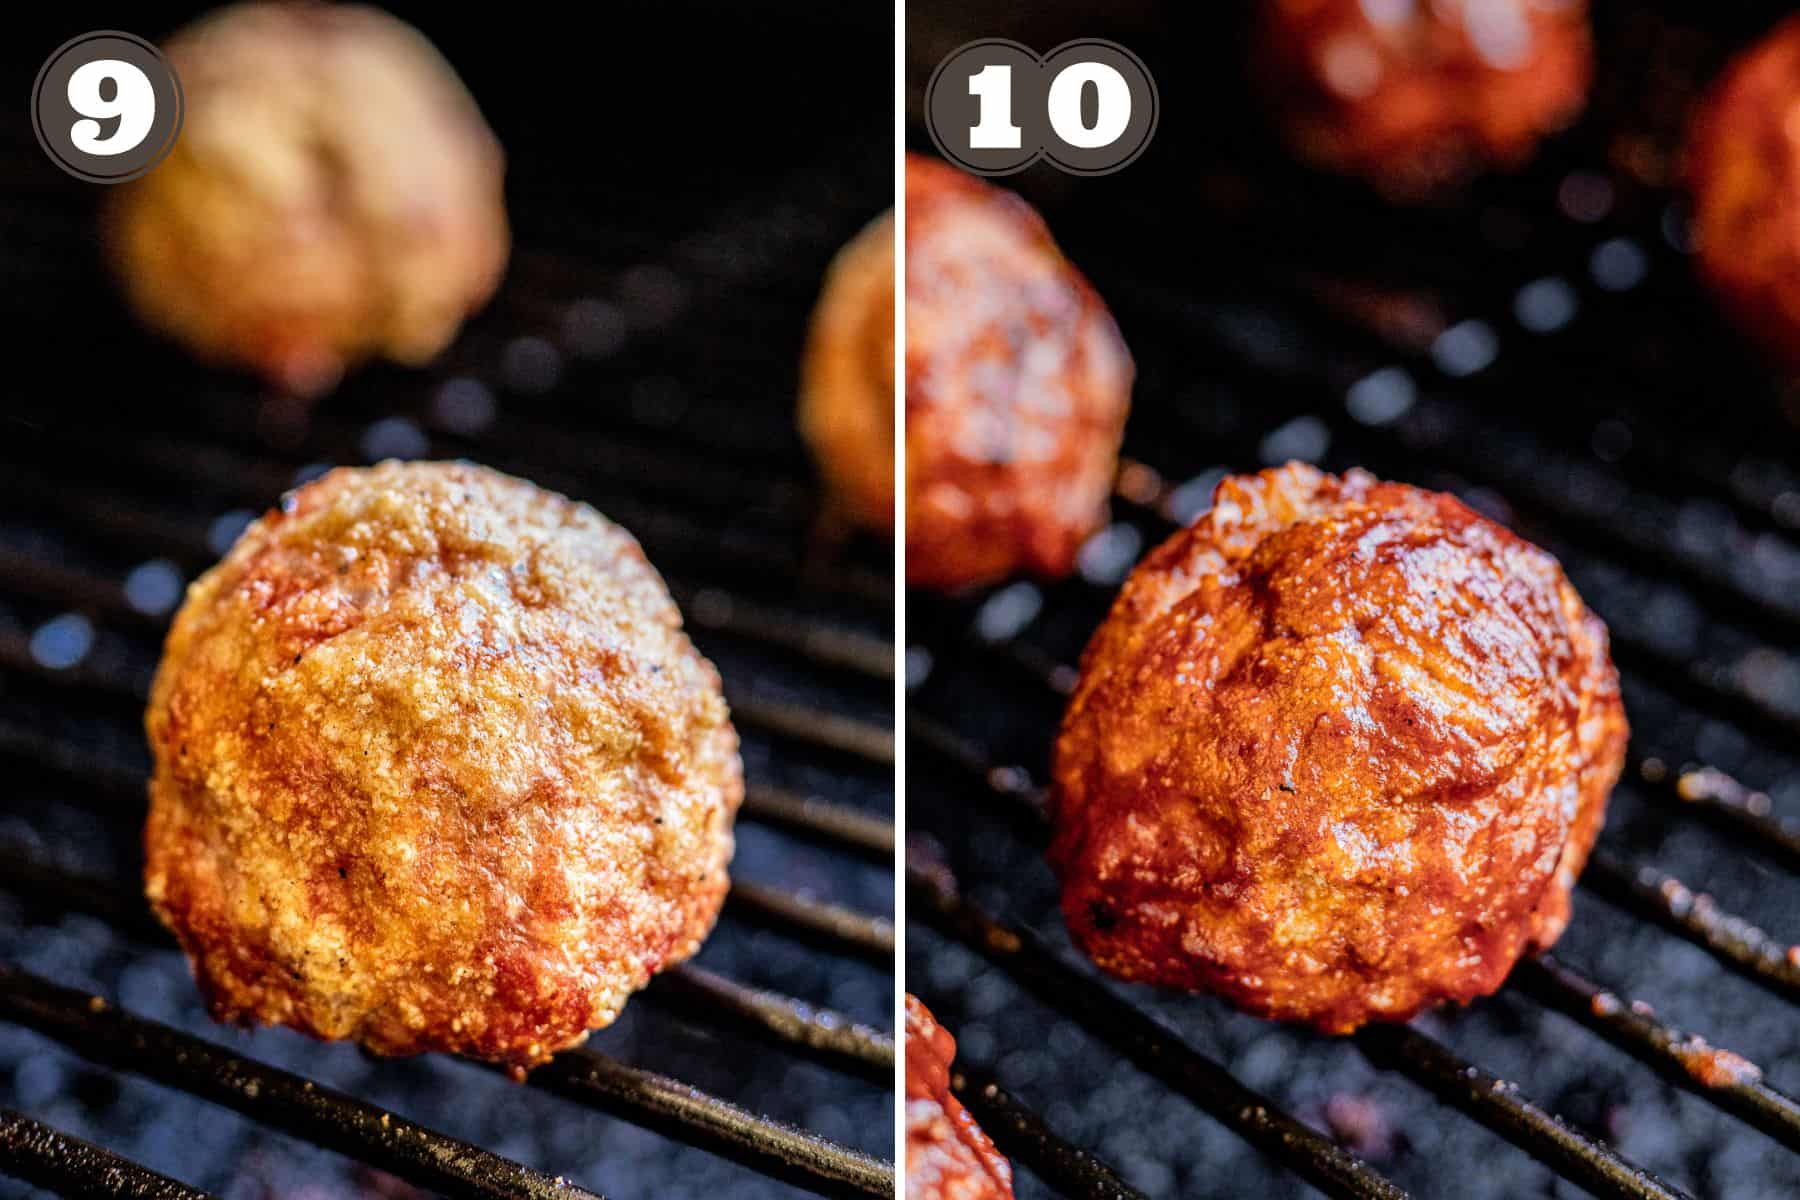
(1338,753)
(1412,96)
(948,1156)
(1017,386)
(1743,173)
(334,196)
(436,768)
(847,377)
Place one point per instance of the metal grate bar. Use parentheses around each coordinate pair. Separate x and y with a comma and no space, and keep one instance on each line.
(97,1031)
(814,727)
(708,608)
(831,926)
(121,520)
(1154,1049)
(782,1021)
(36,1153)
(828,646)
(1692,915)
(1728,804)
(837,826)
(1733,1083)
(1024,1137)
(677,1110)
(1498,1105)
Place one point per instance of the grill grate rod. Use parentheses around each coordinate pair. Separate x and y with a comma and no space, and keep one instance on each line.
(781,1021)
(1667,453)
(1497,1104)
(1672,905)
(830,646)
(709,608)
(814,727)
(123,520)
(1733,1083)
(832,926)
(99,1032)
(38,1154)
(677,1110)
(1408,440)
(1024,1137)
(1728,804)
(1154,1049)
(786,1022)
(836,826)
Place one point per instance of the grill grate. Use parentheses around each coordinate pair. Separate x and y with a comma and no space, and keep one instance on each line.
(1542,351)
(640,357)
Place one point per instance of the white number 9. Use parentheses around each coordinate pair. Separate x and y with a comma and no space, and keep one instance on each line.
(133,103)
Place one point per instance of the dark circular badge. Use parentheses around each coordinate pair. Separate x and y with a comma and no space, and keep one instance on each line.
(106,106)
(995,106)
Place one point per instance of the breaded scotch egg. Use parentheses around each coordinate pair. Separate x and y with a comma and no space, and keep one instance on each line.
(436,768)
(1413,95)
(1338,753)
(847,378)
(1017,387)
(1743,174)
(334,196)
(948,1156)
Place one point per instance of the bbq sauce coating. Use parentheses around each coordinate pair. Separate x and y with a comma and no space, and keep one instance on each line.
(847,378)
(1017,386)
(948,1156)
(1743,173)
(334,196)
(435,769)
(1338,753)
(1414,95)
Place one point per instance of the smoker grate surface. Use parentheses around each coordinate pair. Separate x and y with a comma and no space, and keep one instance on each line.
(640,356)
(1543,351)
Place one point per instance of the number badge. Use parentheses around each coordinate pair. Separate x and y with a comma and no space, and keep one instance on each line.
(994,107)
(106,106)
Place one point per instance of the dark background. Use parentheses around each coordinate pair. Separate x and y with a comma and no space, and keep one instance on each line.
(679,173)
(1535,343)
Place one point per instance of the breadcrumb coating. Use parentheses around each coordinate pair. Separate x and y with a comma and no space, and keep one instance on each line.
(847,378)
(1338,753)
(1414,95)
(948,1156)
(1017,387)
(436,769)
(1743,173)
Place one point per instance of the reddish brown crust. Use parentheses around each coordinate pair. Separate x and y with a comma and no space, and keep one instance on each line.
(1743,172)
(1017,386)
(1411,99)
(1338,753)
(948,1156)
(847,378)
(292,232)
(435,769)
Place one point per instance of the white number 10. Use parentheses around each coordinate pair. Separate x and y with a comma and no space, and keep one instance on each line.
(133,103)
(992,87)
